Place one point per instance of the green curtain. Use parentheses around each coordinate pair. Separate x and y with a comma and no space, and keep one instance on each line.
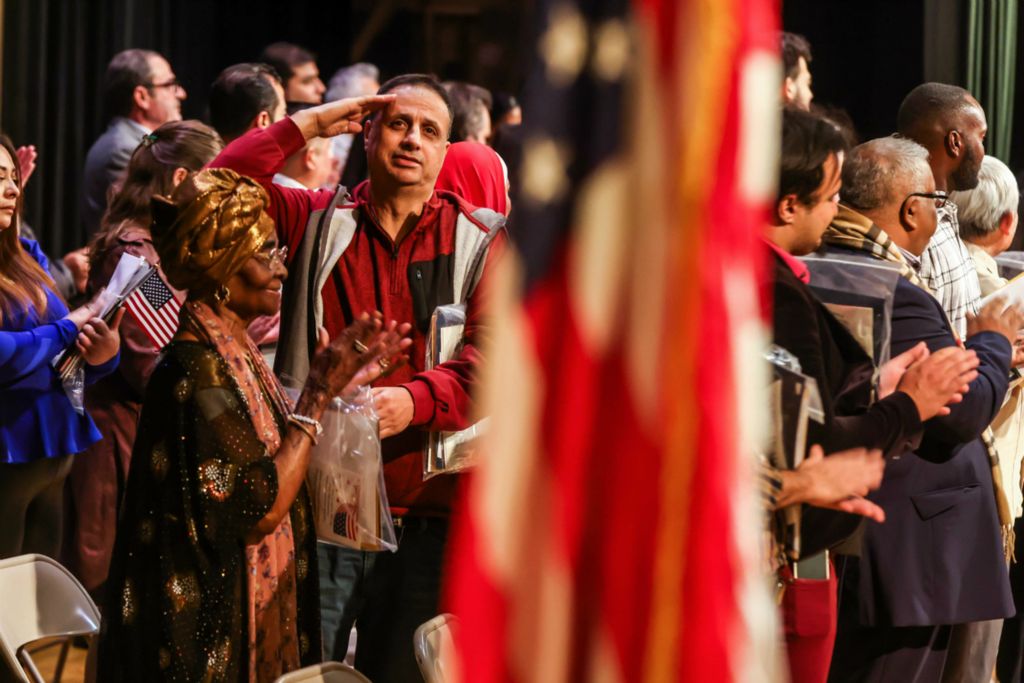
(992,67)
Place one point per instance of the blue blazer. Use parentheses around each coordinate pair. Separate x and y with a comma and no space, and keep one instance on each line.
(105,163)
(938,557)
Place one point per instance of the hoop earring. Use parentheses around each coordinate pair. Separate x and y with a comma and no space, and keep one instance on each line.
(222,295)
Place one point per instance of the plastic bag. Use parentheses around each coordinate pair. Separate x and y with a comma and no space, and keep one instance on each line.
(346,478)
(859,292)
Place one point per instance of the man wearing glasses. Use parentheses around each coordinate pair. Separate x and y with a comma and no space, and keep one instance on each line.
(141,93)
(937,562)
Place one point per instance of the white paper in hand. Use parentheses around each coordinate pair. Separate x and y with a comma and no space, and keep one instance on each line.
(130,271)
(1012,294)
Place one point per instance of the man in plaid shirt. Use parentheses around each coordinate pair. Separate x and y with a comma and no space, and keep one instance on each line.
(951,125)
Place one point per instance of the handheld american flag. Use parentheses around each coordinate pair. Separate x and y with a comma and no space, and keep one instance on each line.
(155,308)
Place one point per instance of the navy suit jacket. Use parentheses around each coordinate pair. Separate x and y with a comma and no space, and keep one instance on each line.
(938,557)
(105,164)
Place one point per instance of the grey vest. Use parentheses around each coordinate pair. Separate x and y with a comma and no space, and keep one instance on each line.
(329,232)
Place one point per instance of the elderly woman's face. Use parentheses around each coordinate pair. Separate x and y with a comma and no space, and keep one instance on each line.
(255,289)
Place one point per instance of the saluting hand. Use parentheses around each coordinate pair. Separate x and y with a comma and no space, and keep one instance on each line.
(339,117)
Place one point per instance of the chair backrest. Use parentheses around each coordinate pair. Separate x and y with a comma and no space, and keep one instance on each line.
(434,643)
(328,672)
(39,598)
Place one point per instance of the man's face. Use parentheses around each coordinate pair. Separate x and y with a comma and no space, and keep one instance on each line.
(810,222)
(280,110)
(407,141)
(486,130)
(798,88)
(972,131)
(305,85)
(926,217)
(321,160)
(165,96)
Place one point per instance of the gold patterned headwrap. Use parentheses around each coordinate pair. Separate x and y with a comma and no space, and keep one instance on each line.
(213,222)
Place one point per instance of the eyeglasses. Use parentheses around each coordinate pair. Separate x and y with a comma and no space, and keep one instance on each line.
(275,256)
(940,198)
(174,84)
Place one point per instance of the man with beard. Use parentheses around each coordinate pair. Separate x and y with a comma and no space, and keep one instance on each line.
(948,122)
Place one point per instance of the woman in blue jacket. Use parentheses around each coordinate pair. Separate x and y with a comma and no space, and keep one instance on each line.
(39,428)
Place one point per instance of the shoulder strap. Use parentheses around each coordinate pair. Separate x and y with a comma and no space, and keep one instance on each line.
(313,302)
(476,265)
(298,322)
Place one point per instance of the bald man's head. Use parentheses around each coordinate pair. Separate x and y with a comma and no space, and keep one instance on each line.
(889,181)
(951,125)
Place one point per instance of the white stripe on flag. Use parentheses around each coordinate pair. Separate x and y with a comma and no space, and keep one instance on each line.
(137,310)
(157,329)
(153,319)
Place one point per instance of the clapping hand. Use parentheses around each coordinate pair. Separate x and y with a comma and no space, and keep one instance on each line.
(841,480)
(997,317)
(940,380)
(365,351)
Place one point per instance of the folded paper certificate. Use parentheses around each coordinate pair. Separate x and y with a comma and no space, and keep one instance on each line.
(131,271)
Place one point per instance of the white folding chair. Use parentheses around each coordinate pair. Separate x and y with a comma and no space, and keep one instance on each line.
(40,599)
(434,643)
(328,672)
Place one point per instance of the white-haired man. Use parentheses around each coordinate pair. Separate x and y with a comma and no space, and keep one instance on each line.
(988,222)
(988,219)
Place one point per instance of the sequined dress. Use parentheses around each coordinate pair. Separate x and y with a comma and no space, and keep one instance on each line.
(177,604)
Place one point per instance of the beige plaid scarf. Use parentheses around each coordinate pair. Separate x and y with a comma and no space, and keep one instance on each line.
(855,231)
(852,230)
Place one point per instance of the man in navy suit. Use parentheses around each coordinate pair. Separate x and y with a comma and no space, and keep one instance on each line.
(938,558)
(141,93)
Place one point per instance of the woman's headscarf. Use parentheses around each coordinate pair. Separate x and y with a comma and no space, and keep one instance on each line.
(213,222)
(476,173)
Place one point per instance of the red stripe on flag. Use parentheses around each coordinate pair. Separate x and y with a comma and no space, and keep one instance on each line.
(152,320)
(134,309)
(156,327)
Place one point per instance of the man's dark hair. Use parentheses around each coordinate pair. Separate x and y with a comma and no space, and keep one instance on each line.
(421,81)
(929,104)
(503,103)
(470,103)
(127,70)
(239,94)
(807,142)
(794,46)
(284,57)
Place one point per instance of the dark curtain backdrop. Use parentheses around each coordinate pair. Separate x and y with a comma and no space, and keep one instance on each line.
(867,55)
(55,53)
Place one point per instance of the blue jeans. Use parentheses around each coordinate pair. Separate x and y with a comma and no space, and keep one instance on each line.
(387,594)
(342,571)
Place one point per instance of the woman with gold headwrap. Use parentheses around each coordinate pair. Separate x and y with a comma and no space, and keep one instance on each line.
(214,573)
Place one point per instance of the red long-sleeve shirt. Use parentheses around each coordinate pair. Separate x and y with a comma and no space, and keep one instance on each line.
(404,280)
